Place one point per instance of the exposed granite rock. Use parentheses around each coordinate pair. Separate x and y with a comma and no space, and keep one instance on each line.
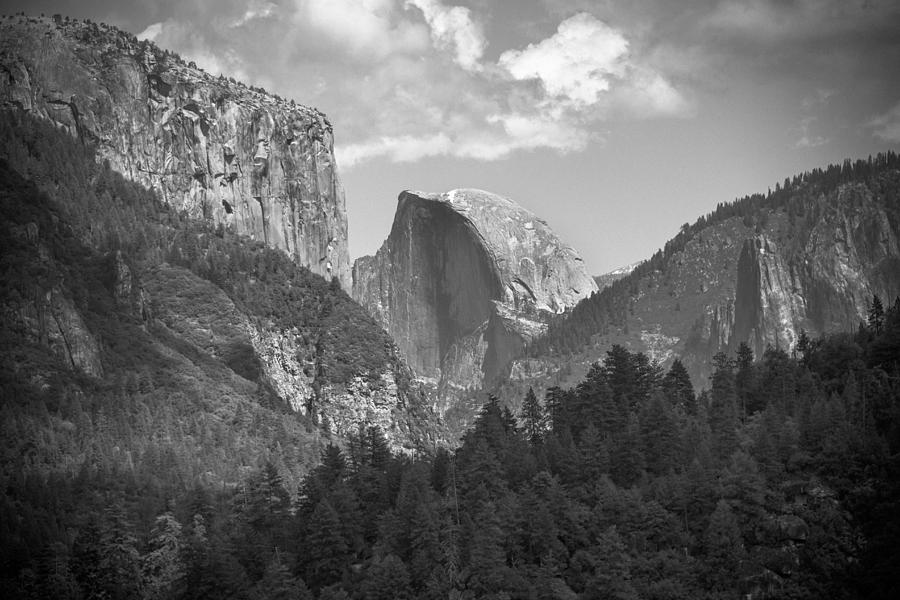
(464,280)
(202,314)
(821,281)
(211,147)
(759,280)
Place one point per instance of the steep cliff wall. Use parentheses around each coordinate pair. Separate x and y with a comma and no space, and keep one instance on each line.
(464,280)
(99,278)
(810,263)
(210,146)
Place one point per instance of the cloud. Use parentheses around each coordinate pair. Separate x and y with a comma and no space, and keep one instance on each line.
(193,46)
(811,106)
(576,64)
(498,137)
(405,80)
(255,10)
(364,29)
(453,28)
(588,64)
(151,33)
(886,126)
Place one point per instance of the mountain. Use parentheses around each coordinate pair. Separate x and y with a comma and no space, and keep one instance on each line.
(607,279)
(807,257)
(183,258)
(464,281)
(211,147)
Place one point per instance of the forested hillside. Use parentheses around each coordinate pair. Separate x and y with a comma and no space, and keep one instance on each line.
(807,256)
(781,481)
(802,199)
(131,371)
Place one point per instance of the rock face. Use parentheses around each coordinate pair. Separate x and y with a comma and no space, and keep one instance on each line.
(820,282)
(464,280)
(211,147)
(259,350)
(759,279)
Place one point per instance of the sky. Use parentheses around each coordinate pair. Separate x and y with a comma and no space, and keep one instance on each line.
(616,121)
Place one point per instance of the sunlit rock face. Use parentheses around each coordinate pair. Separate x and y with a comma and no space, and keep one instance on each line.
(821,281)
(210,146)
(759,279)
(464,280)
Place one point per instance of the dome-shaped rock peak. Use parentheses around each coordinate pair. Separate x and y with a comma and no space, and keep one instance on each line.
(464,280)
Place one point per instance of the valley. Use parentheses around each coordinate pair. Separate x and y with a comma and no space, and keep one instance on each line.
(203,397)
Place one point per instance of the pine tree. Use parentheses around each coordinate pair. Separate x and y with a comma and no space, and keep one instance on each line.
(278,583)
(533,418)
(723,419)
(745,381)
(876,315)
(594,455)
(162,565)
(660,435)
(489,574)
(54,576)
(325,553)
(119,557)
(678,389)
(386,578)
(627,456)
(724,550)
(612,573)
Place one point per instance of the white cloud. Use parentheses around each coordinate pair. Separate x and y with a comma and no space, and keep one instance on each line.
(405,80)
(367,29)
(588,67)
(452,28)
(496,138)
(577,63)
(886,126)
(193,45)
(810,106)
(256,9)
(151,32)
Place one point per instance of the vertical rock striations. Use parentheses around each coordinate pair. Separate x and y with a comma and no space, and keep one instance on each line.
(757,274)
(464,280)
(208,145)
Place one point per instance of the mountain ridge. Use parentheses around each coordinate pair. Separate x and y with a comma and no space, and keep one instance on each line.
(210,146)
(683,301)
(463,281)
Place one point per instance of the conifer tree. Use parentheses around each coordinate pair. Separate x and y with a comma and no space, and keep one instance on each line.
(386,578)
(627,456)
(745,381)
(162,565)
(876,315)
(678,389)
(325,553)
(723,419)
(278,583)
(660,435)
(724,550)
(533,418)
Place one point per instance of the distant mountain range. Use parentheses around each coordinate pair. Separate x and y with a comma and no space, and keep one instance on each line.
(607,279)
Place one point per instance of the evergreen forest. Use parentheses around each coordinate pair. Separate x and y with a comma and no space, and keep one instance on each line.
(170,475)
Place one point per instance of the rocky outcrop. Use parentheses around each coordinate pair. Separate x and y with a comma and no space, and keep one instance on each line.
(464,280)
(209,146)
(201,314)
(761,278)
(820,282)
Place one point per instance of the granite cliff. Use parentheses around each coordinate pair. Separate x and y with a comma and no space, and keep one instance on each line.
(209,146)
(207,212)
(808,257)
(464,280)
